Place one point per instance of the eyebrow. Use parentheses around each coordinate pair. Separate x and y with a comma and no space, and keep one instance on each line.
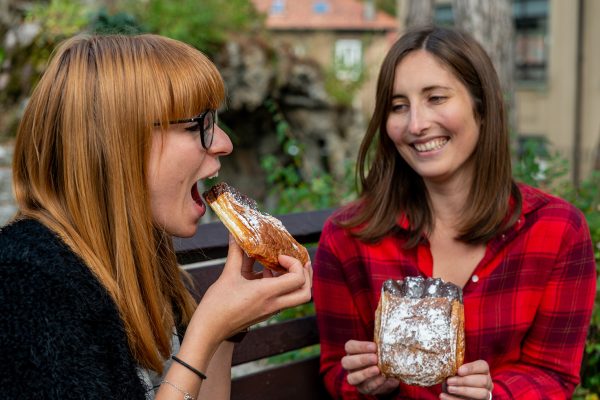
(424,90)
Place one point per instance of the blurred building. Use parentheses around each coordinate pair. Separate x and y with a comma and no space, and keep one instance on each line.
(557,76)
(557,60)
(348,38)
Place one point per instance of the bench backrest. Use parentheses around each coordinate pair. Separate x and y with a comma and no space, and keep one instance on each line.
(203,256)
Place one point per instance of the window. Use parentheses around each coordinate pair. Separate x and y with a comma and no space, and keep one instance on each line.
(321,7)
(443,15)
(531,32)
(277,6)
(348,59)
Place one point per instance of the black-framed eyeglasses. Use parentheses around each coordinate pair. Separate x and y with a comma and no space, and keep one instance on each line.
(205,123)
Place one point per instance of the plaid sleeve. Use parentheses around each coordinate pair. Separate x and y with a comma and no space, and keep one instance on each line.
(337,314)
(552,350)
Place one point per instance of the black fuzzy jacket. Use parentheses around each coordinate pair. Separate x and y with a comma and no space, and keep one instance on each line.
(60,333)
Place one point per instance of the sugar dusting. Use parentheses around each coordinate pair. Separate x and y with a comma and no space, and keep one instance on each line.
(261,235)
(252,218)
(417,341)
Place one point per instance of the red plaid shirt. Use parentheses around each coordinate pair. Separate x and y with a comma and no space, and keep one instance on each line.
(527,305)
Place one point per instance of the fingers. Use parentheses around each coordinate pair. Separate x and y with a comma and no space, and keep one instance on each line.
(371,385)
(308,266)
(291,288)
(475,367)
(378,385)
(360,362)
(363,372)
(360,377)
(235,255)
(288,262)
(360,347)
(466,393)
(473,382)
(297,276)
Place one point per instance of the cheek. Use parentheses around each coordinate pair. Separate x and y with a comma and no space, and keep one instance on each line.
(395,128)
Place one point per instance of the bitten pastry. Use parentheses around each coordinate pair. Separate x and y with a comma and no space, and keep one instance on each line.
(260,235)
(419,330)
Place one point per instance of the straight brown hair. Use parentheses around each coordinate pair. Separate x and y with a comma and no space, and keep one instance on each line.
(390,188)
(80,165)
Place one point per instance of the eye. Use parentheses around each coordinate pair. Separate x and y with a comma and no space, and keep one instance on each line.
(399,107)
(195,127)
(437,99)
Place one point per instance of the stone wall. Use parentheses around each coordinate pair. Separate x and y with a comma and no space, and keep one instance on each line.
(7,205)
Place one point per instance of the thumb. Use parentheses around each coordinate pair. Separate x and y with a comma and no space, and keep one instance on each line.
(235,255)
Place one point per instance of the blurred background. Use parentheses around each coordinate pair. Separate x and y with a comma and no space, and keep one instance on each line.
(301,75)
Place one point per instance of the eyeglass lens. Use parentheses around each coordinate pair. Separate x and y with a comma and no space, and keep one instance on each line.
(208,130)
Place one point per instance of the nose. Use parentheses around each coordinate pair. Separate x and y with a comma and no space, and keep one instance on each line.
(221,145)
(419,123)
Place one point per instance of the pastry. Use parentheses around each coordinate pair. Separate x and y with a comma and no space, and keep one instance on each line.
(260,235)
(419,330)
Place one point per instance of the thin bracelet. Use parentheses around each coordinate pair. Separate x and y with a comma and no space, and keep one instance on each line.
(186,395)
(188,366)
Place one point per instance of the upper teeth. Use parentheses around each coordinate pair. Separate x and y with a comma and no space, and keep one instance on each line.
(434,144)
(214,176)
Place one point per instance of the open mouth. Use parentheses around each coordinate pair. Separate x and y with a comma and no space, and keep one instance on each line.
(432,145)
(196,195)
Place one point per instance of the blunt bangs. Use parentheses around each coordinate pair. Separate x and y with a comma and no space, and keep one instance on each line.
(186,81)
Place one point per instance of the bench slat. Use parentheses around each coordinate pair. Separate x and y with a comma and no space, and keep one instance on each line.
(276,339)
(297,380)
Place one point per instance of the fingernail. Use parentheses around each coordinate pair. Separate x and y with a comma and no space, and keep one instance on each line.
(451,381)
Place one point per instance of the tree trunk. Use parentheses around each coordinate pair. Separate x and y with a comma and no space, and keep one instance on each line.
(418,12)
(491,23)
(597,161)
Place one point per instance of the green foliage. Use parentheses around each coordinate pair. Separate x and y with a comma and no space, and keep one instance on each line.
(59,19)
(537,167)
(288,183)
(388,6)
(204,24)
(550,172)
(118,23)
(343,92)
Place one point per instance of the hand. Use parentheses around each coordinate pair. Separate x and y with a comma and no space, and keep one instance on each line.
(242,297)
(472,382)
(361,363)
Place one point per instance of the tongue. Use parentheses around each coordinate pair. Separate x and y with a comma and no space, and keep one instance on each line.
(196,195)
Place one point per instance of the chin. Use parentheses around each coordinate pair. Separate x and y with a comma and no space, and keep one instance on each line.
(186,232)
(183,229)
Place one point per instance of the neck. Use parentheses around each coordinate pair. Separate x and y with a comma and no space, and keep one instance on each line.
(448,200)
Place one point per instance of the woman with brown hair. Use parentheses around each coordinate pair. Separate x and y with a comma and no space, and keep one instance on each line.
(438,200)
(108,154)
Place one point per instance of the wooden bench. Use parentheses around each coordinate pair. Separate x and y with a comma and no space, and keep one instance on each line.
(204,256)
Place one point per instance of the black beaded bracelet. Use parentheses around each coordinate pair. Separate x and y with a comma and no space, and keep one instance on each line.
(188,366)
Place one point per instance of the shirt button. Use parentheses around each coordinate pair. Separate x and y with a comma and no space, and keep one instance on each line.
(475,279)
